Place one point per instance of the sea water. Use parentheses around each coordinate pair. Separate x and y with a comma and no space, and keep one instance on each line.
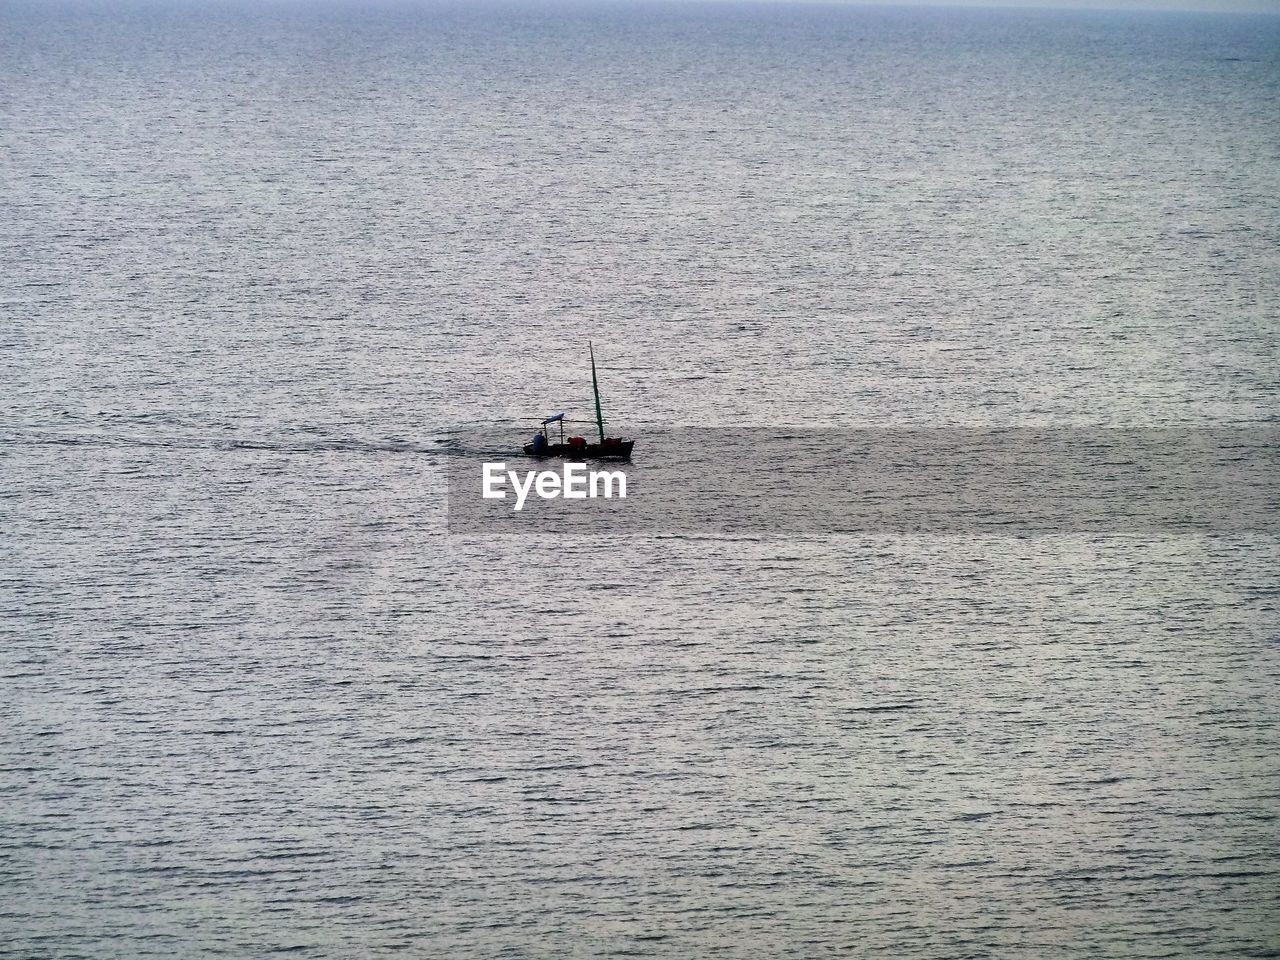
(266,268)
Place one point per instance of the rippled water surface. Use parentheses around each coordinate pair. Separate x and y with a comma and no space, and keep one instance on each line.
(265,271)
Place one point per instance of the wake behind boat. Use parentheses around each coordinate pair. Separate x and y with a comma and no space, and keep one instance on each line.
(608,448)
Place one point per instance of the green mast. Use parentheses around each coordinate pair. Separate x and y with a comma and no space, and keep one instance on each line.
(595,385)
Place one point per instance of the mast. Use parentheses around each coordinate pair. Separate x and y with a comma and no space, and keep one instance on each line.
(595,385)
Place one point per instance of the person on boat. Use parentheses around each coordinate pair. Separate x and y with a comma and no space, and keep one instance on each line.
(539,442)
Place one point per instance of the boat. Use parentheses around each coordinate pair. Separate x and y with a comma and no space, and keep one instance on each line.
(579,448)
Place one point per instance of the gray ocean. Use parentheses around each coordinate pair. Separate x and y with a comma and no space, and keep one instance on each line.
(266,267)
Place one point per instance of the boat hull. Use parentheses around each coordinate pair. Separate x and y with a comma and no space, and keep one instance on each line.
(618,450)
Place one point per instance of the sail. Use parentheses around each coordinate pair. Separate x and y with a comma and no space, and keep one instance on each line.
(595,385)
